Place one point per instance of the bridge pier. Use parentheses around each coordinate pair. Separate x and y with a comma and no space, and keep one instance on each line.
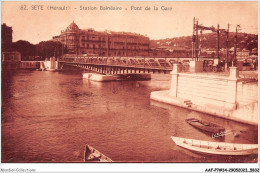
(109,70)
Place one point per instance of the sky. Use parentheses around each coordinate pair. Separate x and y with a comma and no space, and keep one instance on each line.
(41,25)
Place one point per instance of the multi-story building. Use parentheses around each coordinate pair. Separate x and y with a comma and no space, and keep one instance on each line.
(242,54)
(10,60)
(170,52)
(6,37)
(107,43)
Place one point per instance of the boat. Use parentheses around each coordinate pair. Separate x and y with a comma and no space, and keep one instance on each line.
(218,148)
(93,155)
(205,125)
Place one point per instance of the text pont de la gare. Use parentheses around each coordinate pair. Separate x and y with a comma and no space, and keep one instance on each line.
(132,8)
(93,8)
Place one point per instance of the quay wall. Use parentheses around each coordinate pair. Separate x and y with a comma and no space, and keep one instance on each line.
(228,97)
(247,93)
(29,64)
(202,89)
(44,65)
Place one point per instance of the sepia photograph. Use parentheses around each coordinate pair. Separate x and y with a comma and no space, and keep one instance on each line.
(98,83)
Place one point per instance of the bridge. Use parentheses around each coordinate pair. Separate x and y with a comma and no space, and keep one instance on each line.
(120,65)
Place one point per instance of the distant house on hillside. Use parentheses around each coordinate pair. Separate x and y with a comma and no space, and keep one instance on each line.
(171,52)
(254,51)
(242,54)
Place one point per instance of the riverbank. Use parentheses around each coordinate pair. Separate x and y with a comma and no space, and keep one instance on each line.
(244,115)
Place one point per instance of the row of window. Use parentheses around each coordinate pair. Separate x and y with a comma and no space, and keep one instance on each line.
(97,46)
(104,38)
(113,53)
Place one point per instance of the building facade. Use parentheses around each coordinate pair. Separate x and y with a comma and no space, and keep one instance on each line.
(170,52)
(10,60)
(6,37)
(242,54)
(107,43)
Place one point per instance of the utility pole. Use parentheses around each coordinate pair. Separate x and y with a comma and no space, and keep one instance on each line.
(218,42)
(193,40)
(235,45)
(227,53)
(200,45)
(197,39)
(196,48)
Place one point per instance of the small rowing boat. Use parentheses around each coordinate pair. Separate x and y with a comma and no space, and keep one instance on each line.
(205,125)
(219,148)
(93,155)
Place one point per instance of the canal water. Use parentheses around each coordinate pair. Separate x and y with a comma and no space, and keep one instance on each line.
(51,116)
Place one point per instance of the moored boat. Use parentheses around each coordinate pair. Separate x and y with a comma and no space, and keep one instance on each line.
(218,148)
(93,155)
(205,125)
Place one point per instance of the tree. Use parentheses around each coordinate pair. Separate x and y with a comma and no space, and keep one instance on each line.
(47,49)
(25,48)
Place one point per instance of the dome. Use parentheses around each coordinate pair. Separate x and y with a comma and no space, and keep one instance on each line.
(72,27)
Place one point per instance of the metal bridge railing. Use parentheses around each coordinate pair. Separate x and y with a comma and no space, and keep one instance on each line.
(121,61)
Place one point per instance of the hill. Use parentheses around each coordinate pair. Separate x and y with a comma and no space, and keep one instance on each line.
(209,41)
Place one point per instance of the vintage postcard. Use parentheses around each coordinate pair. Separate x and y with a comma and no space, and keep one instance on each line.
(129,82)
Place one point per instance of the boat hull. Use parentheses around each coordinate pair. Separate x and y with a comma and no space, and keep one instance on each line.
(218,148)
(205,126)
(93,155)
